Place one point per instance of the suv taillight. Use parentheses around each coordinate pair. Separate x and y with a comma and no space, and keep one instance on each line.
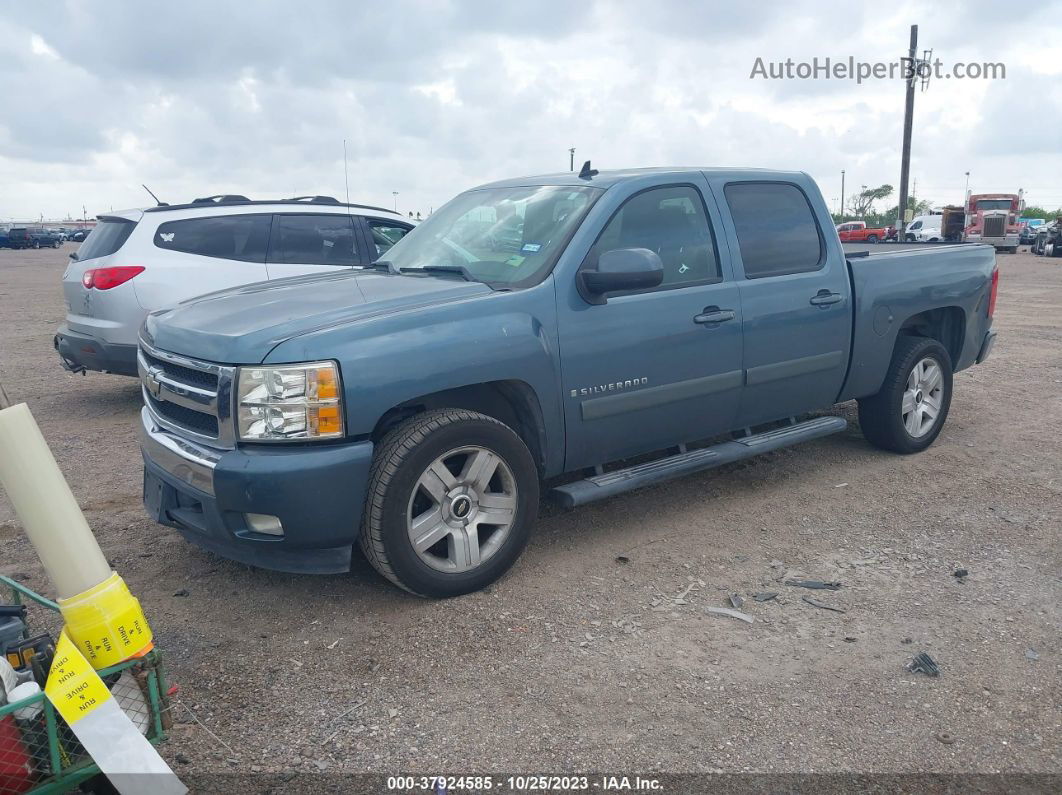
(992,293)
(106,278)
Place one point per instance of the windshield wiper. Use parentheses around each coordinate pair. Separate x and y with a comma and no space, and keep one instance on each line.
(460,270)
(382,265)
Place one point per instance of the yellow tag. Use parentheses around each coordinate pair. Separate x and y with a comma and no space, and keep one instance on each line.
(106,623)
(74,687)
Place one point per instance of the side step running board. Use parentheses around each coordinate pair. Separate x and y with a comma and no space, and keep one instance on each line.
(606,485)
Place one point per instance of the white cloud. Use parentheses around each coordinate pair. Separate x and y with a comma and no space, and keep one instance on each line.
(434,97)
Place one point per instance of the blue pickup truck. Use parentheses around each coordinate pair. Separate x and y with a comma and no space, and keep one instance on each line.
(584,333)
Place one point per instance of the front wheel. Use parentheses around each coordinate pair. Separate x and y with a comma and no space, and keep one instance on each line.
(451,501)
(907,414)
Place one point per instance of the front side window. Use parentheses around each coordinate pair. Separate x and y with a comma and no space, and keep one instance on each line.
(776,228)
(916,225)
(312,240)
(238,237)
(671,222)
(509,237)
(385,234)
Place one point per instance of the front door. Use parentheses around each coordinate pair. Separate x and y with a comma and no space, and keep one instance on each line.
(795,300)
(302,243)
(655,368)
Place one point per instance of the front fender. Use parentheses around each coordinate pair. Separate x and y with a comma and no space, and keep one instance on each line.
(390,360)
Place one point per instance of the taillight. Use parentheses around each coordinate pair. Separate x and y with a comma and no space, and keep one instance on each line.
(106,278)
(992,293)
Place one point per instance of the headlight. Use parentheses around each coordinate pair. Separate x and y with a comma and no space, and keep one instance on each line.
(290,401)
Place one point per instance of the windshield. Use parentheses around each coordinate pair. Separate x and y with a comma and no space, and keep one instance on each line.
(994,204)
(509,237)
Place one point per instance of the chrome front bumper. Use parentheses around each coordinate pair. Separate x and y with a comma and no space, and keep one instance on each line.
(186,461)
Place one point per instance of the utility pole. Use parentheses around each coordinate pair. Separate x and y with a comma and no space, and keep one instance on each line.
(908,120)
(395,194)
(571,159)
(842,195)
(967,193)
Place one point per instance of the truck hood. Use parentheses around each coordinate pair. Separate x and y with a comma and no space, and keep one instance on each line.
(241,325)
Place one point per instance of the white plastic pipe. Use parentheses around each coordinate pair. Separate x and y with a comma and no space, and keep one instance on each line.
(47,508)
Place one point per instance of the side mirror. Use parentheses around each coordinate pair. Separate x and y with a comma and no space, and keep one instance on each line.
(622,269)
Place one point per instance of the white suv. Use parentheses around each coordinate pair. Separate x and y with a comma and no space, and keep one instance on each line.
(138,261)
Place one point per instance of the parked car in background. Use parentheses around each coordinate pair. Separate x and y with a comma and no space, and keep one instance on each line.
(79,235)
(138,261)
(925,229)
(859,232)
(677,317)
(1048,241)
(4,236)
(32,237)
(1027,233)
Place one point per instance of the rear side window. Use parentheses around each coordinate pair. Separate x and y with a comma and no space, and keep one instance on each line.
(313,240)
(105,239)
(385,234)
(776,228)
(239,237)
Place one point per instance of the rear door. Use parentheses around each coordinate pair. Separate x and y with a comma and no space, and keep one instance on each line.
(795,298)
(303,243)
(653,368)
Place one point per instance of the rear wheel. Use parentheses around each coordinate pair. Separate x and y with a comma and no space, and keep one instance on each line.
(452,498)
(872,238)
(906,416)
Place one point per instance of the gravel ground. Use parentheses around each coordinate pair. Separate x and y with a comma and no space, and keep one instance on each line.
(596,653)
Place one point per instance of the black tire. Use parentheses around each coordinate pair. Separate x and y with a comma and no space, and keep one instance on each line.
(872,238)
(881,416)
(400,459)
(36,244)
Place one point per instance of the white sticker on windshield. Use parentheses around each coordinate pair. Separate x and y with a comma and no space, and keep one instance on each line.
(531,247)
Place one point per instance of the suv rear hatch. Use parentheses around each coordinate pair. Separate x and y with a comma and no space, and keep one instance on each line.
(84,307)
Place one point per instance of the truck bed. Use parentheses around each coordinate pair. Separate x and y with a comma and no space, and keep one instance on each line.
(895,284)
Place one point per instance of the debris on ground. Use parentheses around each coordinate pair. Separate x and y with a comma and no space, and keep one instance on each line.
(817,585)
(945,738)
(736,601)
(622,559)
(726,611)
(1032,654)
(765,596)
(960,574)
(823,605)
(182,592)
(850,640)
(923,663)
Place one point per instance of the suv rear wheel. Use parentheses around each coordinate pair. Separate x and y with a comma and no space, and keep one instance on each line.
(452,498)
(906,416)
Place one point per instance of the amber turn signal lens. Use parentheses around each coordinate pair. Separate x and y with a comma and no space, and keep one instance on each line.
(326,419)
(327,387)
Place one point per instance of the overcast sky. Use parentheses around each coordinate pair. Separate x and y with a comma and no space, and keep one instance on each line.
(198,98)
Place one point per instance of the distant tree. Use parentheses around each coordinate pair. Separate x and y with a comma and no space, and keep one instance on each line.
(863,203)
(1040,212)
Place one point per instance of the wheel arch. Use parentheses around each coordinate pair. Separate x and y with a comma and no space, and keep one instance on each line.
(945,324)
(512,402)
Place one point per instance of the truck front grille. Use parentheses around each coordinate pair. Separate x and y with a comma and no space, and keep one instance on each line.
(189,397)
(995,226)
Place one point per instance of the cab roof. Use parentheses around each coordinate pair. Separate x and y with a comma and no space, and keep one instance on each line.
(607,178)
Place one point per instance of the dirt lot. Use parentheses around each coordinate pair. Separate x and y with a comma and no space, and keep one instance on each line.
(596,653)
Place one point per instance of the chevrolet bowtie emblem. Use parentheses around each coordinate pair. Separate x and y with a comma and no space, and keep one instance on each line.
(152,383)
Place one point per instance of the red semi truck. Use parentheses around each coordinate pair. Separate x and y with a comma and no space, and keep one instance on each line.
(992,218)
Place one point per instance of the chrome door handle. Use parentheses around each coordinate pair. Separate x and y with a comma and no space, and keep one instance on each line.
(713,315)
(825,298)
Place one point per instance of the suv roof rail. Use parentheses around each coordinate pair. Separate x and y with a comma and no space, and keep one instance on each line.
(314,199)
(235,200)
(221,197)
